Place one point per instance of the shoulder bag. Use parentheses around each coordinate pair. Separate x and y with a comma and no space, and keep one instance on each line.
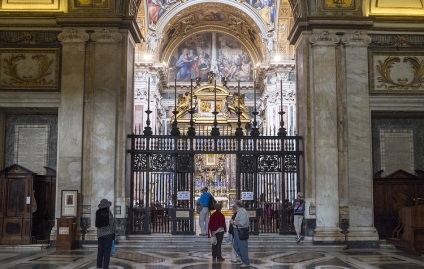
(243,233)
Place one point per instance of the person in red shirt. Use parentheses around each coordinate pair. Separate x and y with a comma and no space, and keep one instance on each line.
(218,228)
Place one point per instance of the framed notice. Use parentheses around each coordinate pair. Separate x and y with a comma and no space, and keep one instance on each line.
(69,203)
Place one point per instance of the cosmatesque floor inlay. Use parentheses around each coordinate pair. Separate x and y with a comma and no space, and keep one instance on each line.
(308,258)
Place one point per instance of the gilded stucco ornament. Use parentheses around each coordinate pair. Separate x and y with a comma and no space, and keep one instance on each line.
(384,69)
(29,69)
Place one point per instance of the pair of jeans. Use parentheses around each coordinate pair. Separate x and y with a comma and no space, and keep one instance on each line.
(104,247)
(241,247)
(216,249)
(298,219)
(204,220)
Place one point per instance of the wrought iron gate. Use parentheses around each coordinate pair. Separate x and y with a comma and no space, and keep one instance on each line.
(162,180)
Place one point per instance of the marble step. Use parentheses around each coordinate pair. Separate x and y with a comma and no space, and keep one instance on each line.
(201,243)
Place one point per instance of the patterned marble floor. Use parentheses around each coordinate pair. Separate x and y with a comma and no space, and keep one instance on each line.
(312,258)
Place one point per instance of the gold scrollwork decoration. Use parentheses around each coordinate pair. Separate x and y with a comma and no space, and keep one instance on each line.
(10,67)
(384,68)
(205,106)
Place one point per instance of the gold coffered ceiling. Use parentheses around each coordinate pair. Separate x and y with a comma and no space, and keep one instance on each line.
(212,17)
(396,7)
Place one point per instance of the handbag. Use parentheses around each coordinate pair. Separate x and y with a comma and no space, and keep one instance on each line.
(199,208)
(213,240)
(243,233)
(113,250)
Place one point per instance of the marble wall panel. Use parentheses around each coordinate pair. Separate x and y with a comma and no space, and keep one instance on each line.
(31,146)
(50,121)
(416,125)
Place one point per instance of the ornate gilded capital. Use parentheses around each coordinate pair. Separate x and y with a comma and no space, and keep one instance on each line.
(106,36)
(356,38)
(324,38)
(73,35)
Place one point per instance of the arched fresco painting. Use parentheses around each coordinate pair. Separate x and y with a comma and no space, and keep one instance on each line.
(265,8)
(156,8)
(216,52)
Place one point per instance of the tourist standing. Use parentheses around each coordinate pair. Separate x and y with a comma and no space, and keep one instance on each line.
(241,221)
(234,257)
(298,210)
(217,227)
(204,213)
(105,233)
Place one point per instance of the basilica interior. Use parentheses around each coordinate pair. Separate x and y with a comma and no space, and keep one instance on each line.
(144,102)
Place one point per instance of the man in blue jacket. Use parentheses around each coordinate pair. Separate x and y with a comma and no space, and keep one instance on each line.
(204,213)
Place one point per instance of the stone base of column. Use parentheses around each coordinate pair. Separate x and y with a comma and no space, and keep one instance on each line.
(362,237)
(328,236)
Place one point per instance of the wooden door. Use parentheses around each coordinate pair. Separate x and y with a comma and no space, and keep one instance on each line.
(43,218)
(17,203)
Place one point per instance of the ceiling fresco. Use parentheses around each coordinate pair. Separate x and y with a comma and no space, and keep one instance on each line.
(211,51)
(211,17)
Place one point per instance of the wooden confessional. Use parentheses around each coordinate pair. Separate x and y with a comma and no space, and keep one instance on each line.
(399,209)
(27,204)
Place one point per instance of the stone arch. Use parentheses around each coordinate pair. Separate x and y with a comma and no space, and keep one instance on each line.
(239,5)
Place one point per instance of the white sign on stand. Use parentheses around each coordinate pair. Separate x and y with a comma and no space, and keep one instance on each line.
(183,195)
(247,196)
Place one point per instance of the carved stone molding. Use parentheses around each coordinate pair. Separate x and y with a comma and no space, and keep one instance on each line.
(106,36)
(398,40)
(324,38)
(356,39)
(73,35)
(28,38)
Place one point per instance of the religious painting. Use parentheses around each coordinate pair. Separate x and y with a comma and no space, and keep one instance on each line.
(265,8)
(396,72)
(156,8)
(216,52)
(29,69)
(339,3)
(69,203)
(92,3)
(210,159)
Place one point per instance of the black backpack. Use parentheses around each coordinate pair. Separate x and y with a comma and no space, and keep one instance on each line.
(211,203)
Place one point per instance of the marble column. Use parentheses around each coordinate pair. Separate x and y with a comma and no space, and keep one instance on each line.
(101,117)
(70,118)
(358,130)
(124,127)
(324,135)
(2,138)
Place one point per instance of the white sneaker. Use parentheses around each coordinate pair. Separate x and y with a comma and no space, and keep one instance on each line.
(244,266)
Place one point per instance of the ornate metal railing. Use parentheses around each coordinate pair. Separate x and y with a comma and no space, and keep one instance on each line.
(222,144)
(163,166)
